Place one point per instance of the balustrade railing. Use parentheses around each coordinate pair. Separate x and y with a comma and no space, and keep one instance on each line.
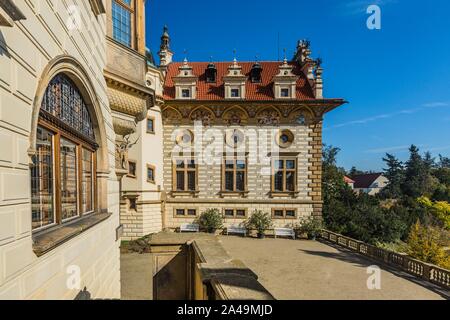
(426,271)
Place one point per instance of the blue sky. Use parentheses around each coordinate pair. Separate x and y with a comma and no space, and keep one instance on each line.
(397,79)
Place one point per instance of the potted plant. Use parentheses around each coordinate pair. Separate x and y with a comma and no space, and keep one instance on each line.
(211,220)
(260,221)
(312,227)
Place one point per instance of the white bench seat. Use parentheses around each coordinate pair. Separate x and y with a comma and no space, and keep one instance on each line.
(237,230)
(284,232)
(189,227)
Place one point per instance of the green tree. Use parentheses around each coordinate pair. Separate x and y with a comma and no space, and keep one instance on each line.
(395,172)
(418,179)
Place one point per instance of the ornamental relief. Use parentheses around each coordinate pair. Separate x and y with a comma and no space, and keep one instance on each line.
(268,117)
(204,115)
(235,117)
(242,115)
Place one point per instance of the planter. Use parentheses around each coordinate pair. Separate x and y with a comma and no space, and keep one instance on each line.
(311,237)
(261,235)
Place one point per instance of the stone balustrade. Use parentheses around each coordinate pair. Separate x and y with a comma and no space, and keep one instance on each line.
(426,271)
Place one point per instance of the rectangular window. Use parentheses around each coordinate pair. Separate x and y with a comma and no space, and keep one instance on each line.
(122,19)
(235,93)
(284,213)
(185,212)
(185,175)
(150,173)
(42,179)
(284,175)
(151,125)
(69,179)
(133,204)
(186,93)
(132,169)
(284,92)
(234,175)
(235,213)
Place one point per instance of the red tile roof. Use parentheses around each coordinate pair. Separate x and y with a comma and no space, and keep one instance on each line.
(254,91)
(348,180)
(364,181)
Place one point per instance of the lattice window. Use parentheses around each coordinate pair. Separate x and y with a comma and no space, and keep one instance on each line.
(63,101)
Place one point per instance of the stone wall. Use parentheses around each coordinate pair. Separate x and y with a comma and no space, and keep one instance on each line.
(305,148)
(25,51)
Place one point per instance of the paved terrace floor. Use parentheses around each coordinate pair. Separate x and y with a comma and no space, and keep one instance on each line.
(313,270)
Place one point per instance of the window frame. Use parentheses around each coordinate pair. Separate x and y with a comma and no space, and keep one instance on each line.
(235,216)
(130,175)
(151,167)
(234,158)
(132,9)
(185,170)
(80,144)
(284,213)
(150,118)
(285,171)
(185,213)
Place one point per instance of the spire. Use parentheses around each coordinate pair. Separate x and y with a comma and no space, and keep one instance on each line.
(165,54)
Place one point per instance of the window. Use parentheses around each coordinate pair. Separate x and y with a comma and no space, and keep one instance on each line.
(185,93)
(235,93)
(122,18)
(285,138)
(284,177)
(234,175)
(185,212)
(150,173)
(284,213)
(184,138)
(235,213)
(151,125)
(133,204)
(185,175)
(132,169)
(284,93)
(62,173)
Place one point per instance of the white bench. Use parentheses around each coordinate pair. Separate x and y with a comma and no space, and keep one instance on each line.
(284,232)
(189,227)
(237,230)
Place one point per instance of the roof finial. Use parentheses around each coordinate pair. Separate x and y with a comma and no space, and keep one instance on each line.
(234,55)
(185,56)
(285,57)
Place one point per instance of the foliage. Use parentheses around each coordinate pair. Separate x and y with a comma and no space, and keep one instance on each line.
(439,209)
(395,174)
(424,244)
(261,221)
(311,226)
(211,220)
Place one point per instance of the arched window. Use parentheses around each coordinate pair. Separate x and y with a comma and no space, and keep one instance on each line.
(62,174)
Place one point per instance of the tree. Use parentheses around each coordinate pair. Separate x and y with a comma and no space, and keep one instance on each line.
(395,174)
(424,244)
(418,179)
(444,162)
(354,172)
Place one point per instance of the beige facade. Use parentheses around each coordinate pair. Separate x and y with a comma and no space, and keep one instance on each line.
(197,99)
(65,50)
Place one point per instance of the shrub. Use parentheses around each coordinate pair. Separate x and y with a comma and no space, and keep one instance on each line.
(424,244)
(440,210)
(311,226)
(261,221)
(211,220)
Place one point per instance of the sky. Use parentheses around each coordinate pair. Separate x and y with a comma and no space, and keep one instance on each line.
(396,79)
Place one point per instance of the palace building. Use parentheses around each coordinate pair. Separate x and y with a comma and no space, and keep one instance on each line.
(72,89)
(262,121)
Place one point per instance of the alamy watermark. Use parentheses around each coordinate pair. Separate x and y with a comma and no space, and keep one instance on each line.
(374,20)
(374,280)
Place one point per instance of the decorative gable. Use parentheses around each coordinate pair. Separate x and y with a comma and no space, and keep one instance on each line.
(185,83)
(234,82)
(285,82)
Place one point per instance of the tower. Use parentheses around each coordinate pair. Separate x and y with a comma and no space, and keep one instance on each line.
(165,54)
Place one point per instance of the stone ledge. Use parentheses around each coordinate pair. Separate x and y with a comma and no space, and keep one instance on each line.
(49,240)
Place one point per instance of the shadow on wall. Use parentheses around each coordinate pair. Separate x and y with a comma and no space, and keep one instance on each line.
(83,295)
(3,48)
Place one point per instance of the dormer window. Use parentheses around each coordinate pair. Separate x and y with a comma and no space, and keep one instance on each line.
(211,73)
(285,82)
(255,74)
(185,93)
(234,82)
(234,93)
(284,93)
